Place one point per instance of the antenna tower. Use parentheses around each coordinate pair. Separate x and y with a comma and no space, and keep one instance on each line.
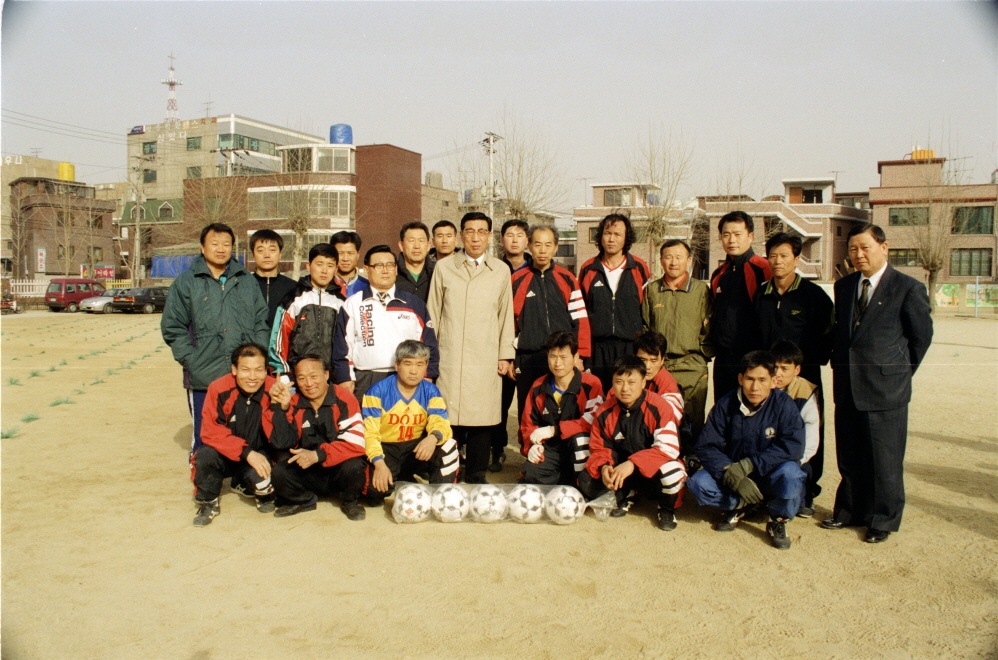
(172,115)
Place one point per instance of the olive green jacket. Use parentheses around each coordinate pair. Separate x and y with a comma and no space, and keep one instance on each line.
(683,316)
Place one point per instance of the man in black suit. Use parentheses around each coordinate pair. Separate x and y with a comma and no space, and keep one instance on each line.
(882,331)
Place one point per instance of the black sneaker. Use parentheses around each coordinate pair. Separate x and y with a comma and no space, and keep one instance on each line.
(777,530)
(354,510)
(240,489)
(497,460)
(807,510)
(206,511)
(265,504)
(666,519)
(619,512)
(729,520)
(293,509)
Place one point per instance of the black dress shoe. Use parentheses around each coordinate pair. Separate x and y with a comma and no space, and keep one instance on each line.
(293,509)
(876,535)
(833,523)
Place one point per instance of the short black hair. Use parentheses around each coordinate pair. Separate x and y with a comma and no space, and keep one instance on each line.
(562,339)
(630,236)
(651,342)
(737,216)
(309,356)
(868,228)
(673,242)
(341,237)
(444,223)
(522,224)
(787,352)
(248,350)
(218,228)
(758,359)
(550,228)
(413,225)
(783,238)
(625,364)
(323,250)
(266,235)
(375,250)
(475,215)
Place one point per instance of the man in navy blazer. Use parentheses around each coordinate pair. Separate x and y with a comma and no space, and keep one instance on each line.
(882,331)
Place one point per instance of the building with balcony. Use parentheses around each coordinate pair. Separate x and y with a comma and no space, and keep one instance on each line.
(922,211)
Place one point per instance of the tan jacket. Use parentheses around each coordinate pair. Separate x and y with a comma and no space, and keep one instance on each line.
(683,316)
(472,313)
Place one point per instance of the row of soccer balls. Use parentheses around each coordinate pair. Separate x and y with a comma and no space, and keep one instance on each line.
(488,503)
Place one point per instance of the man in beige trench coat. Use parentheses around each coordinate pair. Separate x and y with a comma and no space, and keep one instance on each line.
(471,304)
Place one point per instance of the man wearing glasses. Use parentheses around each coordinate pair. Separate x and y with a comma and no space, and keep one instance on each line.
(373,322)
(471,304)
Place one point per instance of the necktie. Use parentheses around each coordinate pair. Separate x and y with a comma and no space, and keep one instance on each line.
(383,298)
(864,298)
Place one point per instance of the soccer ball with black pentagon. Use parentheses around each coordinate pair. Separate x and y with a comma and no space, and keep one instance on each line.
(450,503)
(564,505)
(412,504)
(526,504)
(488,504)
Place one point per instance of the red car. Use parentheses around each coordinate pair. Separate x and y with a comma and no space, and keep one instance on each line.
(66,293)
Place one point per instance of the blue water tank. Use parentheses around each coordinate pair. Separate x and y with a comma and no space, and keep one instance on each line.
(340,134)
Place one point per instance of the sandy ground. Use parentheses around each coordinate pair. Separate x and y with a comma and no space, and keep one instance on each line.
(100,559)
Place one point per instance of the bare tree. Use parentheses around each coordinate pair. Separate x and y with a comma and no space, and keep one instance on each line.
(20,228)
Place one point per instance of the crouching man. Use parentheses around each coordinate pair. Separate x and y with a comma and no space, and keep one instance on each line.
(235,426)
(635,446)
(750,448)
(558,416)
(405,425)
(320,436)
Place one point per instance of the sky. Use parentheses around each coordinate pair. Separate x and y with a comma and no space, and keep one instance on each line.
(780,90)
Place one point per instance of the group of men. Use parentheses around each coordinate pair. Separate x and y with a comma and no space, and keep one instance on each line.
(342,382)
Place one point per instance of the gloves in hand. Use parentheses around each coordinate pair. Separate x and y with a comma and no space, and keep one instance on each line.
(748,491)
(541,434)
(736,472)
(536,453)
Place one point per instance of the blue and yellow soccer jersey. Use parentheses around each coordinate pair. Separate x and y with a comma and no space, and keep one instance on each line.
(388,417)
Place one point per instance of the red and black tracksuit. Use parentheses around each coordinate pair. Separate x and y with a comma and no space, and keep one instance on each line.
(233,424)
(544,302)
(647,435)
(336,433)
(734,325)
(566,452)
(615,317)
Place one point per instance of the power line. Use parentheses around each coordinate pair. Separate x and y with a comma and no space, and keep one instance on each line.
(52,121)
(451,152)
(51,130)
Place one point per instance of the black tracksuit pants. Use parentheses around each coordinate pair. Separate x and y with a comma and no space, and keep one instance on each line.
(293,485)
(400,457)
(210,468)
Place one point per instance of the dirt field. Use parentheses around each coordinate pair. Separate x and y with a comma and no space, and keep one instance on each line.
(100,559)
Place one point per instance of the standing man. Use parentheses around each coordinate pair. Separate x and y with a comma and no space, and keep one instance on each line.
(514,246)
(546,299)
(372,324)
(266,246)
(882,331)
(212,308)
(471,304)
(733,324)
(444,240)
(679,307)
(348,277)
(414,269)
(612,285)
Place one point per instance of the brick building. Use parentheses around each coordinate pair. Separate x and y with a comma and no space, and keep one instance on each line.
(922,211)
(389,192)
(438,203)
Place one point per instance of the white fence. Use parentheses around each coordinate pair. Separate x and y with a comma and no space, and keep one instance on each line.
(28,288)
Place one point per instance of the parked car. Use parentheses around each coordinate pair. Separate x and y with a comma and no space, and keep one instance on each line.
(101,304)
(67,293)
(146,299)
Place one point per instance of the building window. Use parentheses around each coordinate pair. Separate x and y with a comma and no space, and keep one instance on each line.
(166,211)
(565,250)
(62,251)
(812,196)
(60,219)
(298,160)
(974,220)
(96,254)
(838,230)
(969,262)
(194,172)
(617,197)
(593,233)
(446,203)
(148,148)
(124,233)
(137,211)
(907,257)
(910,216)
(97,222)
(193,143)
(148,176)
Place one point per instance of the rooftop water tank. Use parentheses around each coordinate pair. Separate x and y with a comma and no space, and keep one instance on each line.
(340,134)
(67,172)
(435,179)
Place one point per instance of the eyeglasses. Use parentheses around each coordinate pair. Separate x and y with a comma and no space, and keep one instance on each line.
(484,233)
(385,267)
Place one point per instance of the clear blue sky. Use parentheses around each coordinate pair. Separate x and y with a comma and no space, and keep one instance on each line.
(800,89)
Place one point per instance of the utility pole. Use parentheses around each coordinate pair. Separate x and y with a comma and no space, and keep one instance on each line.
(585,188)
(489,143)
(138,210)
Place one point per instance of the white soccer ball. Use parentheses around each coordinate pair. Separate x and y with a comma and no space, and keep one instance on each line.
(488,504)
(412,504)
(526,503)
(450,503)
(564,505)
